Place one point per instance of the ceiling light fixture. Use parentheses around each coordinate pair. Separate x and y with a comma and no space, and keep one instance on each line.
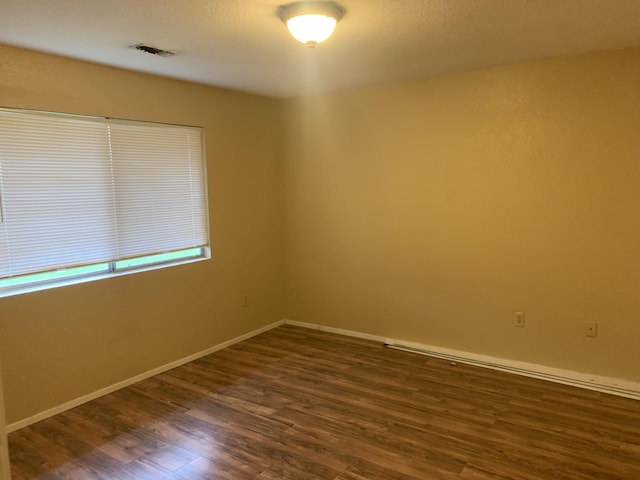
(311,22)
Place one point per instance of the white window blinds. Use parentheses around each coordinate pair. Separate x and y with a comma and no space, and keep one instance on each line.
(82,190)
(159,194)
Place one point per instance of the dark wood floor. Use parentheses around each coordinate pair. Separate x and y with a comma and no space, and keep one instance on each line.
(301,404)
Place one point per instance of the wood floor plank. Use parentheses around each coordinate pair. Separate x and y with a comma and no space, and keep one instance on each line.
(301,404)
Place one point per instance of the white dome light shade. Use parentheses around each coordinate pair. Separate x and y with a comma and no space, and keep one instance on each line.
(312,28)
(311,22)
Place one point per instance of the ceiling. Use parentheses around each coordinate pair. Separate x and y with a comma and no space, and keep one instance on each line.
(241,44)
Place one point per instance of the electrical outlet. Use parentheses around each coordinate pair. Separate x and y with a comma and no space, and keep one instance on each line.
(519,319)
(591,329)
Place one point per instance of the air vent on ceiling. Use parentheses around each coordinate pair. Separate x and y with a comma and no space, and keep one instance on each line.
(150,49)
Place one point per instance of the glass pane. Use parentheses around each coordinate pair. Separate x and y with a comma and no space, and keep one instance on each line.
(54,275)
(159,258)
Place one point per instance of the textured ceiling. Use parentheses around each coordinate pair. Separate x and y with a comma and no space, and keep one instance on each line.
(241,44)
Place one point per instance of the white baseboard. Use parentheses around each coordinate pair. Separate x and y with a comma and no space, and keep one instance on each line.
(137,378)
(611,385)
(339,331)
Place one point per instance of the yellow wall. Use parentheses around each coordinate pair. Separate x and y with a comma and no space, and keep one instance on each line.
(60,344)
(4,448)
(431,211)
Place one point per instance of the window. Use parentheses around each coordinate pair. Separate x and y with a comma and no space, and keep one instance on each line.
(85,197)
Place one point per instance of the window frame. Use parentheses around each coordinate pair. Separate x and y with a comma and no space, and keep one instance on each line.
(37,281)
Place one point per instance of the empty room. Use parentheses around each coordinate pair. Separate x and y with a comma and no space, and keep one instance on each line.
(318,240)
